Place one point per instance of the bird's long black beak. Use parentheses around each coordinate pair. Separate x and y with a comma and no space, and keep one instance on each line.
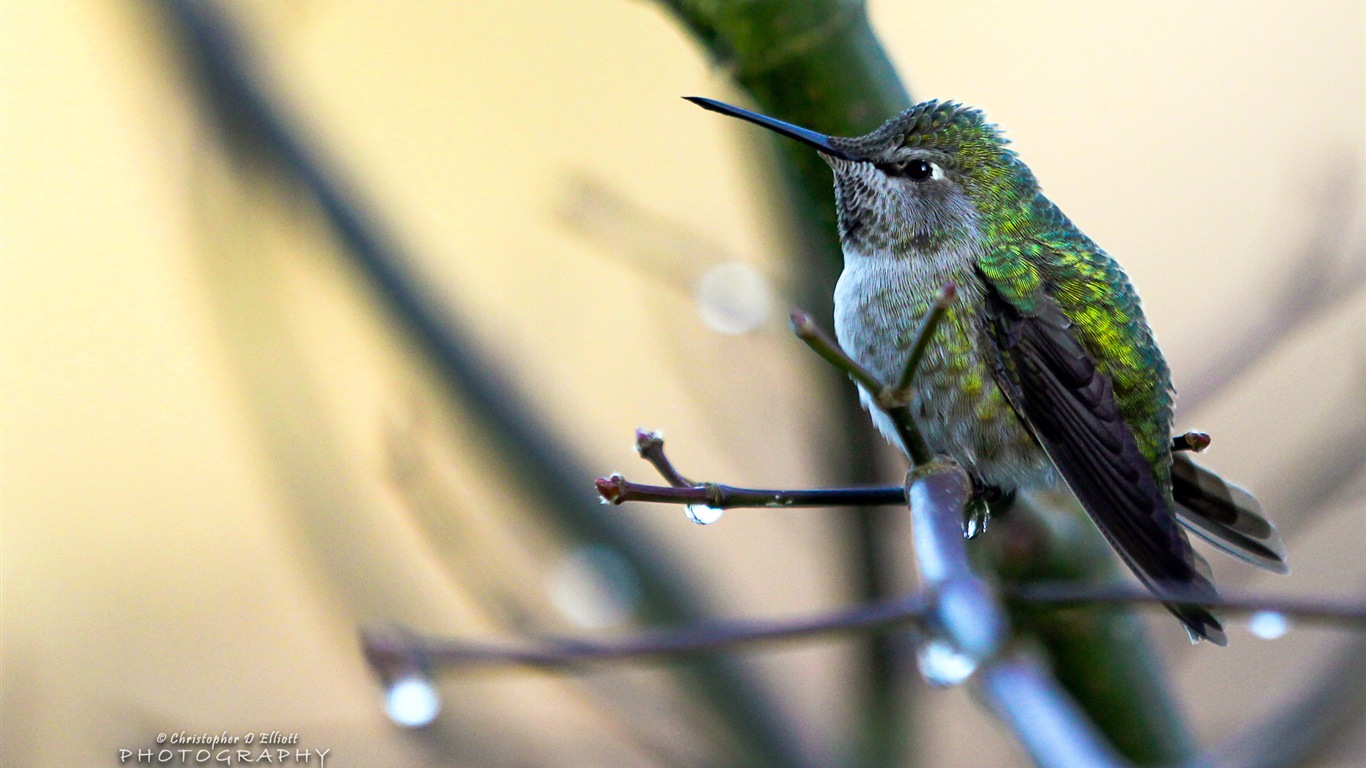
(806,136)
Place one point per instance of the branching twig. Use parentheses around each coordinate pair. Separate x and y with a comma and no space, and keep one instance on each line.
(893,399)
(809,332)
(616,489)
(650,446)
(923,336)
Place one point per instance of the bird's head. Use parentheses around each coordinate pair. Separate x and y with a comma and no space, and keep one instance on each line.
(924,180)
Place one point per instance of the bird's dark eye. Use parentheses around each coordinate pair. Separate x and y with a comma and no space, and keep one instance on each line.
(915,170)
(918,170)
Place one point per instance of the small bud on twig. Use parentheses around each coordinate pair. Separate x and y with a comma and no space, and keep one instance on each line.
(1191,441)
(612,488)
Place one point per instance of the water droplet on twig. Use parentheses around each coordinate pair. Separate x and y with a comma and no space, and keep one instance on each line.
(976,515)
(412,702)
(1268,625)
(702,514)
(942,665)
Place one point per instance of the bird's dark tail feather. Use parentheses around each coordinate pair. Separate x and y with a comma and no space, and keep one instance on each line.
(1225,515)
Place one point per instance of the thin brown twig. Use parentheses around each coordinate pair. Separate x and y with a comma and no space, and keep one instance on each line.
(650,446)
(925,334)
(615,489)
(722,635)
(1308,610)
(385,652)
(820,342)
(830,351)
(893,399)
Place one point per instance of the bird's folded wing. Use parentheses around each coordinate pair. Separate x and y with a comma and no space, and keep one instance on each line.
(1054,384)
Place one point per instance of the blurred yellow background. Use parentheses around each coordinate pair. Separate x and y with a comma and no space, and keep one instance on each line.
(219,458)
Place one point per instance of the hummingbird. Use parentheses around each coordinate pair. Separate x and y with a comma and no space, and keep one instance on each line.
(1044,372)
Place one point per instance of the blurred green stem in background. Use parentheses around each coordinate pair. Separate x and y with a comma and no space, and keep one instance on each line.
(818,64)
(814,63)
(258,133)
(1102,655)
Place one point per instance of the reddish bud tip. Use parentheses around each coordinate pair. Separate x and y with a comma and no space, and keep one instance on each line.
(611,488)
(801,322)
(1191,441)
(647,439)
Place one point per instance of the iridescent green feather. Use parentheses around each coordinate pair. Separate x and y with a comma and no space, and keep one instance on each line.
(1045,256)
(1035,254)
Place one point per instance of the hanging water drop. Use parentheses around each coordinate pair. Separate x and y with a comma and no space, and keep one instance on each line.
(942,665)
(1268,625)
(412,702)
(702,514)
(975,518)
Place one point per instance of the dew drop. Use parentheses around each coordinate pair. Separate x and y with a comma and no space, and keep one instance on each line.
(412,702)
(594,586)
(702,514)
(942,665)
(1268,625)
(733,298)
(975,518)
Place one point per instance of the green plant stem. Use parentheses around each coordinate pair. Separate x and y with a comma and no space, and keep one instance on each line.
(818,64)
(1103,657)
(258,133)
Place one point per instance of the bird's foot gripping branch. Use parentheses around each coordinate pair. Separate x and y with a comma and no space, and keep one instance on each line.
(964,623)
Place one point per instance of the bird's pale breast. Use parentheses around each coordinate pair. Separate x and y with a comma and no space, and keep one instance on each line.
(879,303)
